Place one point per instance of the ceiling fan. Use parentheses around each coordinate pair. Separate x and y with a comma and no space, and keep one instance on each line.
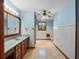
(46,13)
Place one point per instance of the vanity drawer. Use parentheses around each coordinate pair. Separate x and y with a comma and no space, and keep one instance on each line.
(23,42)
(18,46)
(23,47)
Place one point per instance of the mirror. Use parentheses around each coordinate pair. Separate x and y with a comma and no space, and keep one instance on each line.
(12,24)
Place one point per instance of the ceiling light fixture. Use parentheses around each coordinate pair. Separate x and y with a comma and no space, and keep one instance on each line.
(46,14)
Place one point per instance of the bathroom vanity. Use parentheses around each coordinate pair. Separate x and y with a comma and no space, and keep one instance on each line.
(15,44)
(16,48)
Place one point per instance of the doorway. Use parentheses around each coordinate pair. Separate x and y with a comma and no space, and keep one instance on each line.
(44,28)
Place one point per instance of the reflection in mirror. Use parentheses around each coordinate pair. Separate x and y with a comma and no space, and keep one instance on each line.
(5,17)
(12,24)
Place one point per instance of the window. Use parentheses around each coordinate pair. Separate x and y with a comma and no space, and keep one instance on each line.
(42,26)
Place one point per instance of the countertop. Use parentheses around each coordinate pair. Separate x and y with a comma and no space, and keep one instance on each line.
(9,44)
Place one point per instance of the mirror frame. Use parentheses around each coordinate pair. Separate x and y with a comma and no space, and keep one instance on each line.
(19,25)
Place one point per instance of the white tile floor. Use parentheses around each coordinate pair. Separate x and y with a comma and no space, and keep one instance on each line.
(44,50)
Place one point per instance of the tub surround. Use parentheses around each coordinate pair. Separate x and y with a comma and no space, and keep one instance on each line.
(11,43)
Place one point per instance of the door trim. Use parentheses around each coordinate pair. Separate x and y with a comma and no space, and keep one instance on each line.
(1,29)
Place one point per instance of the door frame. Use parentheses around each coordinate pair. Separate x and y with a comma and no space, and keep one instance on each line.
(34,27)
(2,29)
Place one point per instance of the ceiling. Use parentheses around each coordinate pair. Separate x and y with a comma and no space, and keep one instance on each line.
(38,4)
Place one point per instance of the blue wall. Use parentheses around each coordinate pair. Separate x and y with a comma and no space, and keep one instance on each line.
(28,25)
(27,18)
(49,22)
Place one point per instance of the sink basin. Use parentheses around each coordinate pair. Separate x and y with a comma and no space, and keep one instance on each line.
(17,39)
(25,35)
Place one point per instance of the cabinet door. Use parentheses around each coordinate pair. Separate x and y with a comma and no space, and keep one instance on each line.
(23,48)
(26,45)
(10,54)
(18,50)
(19,57)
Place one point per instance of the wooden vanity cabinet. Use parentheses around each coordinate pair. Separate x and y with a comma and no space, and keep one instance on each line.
(18,51)
(10,54)
(24,47)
